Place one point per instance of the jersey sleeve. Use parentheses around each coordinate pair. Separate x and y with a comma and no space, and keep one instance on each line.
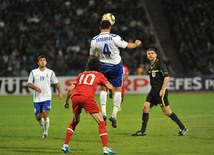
(76,80)
(102,78)
(120,42)
(54,80)
(92,48)
(30,78)
(164,69)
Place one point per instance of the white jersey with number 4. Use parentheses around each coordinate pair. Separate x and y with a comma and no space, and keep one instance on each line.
(106,47)
(43,80)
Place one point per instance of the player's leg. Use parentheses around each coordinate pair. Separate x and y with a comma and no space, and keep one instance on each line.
(117,102)
(103,100)
(117,81)
(103,90)
(46,107)
(72,126)
(102,132)
(38,113)
(145,118)
(69,133)
(168,112)
(46,124)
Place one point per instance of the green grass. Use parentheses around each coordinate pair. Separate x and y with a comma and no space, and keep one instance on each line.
(20,133)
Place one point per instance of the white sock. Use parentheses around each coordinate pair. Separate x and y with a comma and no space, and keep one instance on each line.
(103,99)
(117,101)
(46,125)
(41,121)
(65,145)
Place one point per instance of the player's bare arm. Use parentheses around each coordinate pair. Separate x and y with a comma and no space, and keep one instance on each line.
(32,86)
(68,95)
(134,45)
(164,86)
(110,88)
(59,90)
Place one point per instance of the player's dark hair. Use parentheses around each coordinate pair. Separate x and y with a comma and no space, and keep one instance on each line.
(105,24)
(93,64)
(153,49)
(39,57)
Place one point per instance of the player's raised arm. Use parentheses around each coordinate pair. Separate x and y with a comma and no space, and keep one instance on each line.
(134,45)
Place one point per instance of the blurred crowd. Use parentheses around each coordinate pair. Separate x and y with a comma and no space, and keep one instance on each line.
(192,26)
(62,30)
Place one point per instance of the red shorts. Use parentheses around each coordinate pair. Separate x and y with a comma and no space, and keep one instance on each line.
(86,102)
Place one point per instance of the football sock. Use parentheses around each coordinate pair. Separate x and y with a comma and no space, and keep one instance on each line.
(145,118)
(46,125)
(103,134)
(117,101)
(41,121)
(69,134)
(103,99)
(70,131)
(174,117)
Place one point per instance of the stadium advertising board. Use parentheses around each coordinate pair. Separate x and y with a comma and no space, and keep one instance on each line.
(133,85)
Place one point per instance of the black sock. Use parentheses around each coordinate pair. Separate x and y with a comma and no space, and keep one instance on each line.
(177,121)
(145,118)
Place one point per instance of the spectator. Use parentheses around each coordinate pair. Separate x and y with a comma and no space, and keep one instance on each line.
(56,28)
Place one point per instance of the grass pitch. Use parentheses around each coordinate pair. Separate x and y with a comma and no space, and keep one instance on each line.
(21,134)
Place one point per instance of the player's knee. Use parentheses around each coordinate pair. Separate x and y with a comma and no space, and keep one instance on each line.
(146,108)
(38,117)
(167,113)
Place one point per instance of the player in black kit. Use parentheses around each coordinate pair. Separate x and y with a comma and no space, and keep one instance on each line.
(158,94)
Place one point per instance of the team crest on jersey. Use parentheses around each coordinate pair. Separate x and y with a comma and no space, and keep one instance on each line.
(46,75)
(153,74)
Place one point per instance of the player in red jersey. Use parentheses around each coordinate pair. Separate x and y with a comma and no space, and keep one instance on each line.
(125,76)
(82,92)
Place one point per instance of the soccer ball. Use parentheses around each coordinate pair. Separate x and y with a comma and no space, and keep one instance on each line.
(110,17)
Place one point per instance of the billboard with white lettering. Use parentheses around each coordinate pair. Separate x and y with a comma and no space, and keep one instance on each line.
(133,85)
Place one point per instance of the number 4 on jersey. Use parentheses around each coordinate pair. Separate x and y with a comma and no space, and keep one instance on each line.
(106,50)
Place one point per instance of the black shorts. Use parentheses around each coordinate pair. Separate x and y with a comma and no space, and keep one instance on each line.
(154,98)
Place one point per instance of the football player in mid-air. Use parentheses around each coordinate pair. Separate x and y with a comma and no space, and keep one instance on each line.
(106,46)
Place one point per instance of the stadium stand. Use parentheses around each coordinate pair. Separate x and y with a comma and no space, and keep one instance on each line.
(192,27)
(62,29)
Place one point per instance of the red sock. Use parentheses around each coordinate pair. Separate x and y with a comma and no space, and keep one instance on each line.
(70,131)
(103,134)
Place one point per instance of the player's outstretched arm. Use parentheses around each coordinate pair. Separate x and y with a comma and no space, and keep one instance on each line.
(134,45)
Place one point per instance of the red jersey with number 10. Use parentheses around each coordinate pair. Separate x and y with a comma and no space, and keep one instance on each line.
(87,83)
